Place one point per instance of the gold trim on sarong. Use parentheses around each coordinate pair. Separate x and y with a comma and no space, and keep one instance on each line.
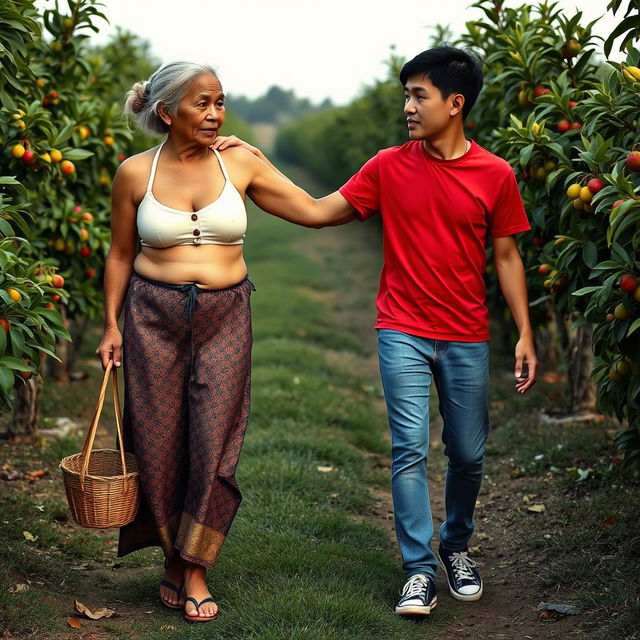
(197,541)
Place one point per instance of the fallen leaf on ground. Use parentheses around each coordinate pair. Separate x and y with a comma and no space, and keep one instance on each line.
(95,614)
(556,610)
(133,634)
(74,623)
(476,549)
(536,508)
(18,588)
(325,469)
(29,536)
(609,522)
(168,627)
(32,475)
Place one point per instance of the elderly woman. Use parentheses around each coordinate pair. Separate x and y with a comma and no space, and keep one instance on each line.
(176,266)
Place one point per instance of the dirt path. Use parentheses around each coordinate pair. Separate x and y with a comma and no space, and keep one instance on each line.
(508,607)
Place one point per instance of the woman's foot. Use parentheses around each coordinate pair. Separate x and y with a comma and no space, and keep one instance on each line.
(172,584)
(195,589)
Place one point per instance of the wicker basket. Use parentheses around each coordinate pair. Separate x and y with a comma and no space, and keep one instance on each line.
(102,485)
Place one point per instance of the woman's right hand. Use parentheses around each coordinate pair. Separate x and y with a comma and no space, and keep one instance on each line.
(110,347)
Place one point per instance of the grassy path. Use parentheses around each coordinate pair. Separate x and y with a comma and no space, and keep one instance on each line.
(310,555)
(302,559)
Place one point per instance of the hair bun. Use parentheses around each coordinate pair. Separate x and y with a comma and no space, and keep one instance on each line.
(140,91)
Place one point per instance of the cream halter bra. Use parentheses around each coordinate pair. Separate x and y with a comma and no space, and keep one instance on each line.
(223,221)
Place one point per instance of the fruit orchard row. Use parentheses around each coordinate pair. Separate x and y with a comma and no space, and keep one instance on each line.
(62,137)
(569,124)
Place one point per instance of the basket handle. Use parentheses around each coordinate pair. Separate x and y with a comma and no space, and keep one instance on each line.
(91,434)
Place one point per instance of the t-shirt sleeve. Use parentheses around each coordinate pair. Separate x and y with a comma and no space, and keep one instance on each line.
(362,191)
(508,215)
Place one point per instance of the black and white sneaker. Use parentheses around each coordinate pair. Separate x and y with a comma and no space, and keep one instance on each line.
(463,577)
(418,596)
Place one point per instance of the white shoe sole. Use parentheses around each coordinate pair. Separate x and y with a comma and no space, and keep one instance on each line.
(414,610)
(472,597)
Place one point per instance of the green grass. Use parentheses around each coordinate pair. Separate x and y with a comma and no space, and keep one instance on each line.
(298,562)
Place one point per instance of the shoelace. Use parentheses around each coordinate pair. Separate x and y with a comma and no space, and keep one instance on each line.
(416,585)
(462,565)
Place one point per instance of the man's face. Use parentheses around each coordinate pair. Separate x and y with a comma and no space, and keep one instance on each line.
(428,113)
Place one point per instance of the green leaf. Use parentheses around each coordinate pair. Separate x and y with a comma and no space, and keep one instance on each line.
(14,363)
(585,290)
(634,326)
(6,379)
(590,254)
(17,341)
(77,154)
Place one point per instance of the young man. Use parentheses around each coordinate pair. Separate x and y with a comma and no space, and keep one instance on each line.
(439,196)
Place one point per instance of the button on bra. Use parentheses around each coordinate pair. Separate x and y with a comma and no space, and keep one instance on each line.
(223,221)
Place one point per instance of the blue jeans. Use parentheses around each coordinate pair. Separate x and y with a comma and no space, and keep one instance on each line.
(460,371)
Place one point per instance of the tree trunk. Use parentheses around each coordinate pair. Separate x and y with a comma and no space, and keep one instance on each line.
(78,329)
(582,393)
(26,411)
(60,369)
(547,347)
(576,344)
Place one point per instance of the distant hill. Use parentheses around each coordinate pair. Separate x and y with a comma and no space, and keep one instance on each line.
(276,106)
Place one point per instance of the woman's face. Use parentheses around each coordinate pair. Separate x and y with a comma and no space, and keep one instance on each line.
(200,114)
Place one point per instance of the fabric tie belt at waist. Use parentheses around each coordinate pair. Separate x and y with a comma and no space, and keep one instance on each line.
(192,289)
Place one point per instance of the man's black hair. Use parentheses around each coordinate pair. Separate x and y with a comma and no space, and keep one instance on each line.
(451,70)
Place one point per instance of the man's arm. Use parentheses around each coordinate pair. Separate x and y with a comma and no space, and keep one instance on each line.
(513,284)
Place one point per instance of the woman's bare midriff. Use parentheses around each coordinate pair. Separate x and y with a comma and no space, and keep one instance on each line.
(210,266)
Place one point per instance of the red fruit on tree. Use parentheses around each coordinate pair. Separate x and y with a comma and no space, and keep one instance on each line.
(58,281)
(628,283)
(55,297)
(77,209)
(90,273)
(87,216)
(537,242)
(67,167)
(633,161)
(595,185)
(572,104)
(544,269)
(576,125)
(28,156)
(539,90)
(85,252)
(563,126)
(50,305)
(5,324)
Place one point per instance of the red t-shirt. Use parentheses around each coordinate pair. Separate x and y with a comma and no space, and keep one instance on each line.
(436,216)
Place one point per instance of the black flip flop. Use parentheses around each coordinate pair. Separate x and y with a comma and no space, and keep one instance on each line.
(178,590)
(197,604)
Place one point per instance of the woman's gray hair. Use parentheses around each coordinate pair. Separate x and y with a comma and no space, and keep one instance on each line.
(168,85)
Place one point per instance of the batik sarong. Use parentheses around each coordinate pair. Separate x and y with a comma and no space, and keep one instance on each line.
(187,359)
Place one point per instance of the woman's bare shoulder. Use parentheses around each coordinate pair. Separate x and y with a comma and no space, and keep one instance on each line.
(137,166)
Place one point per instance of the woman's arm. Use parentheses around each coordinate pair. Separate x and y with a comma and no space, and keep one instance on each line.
(119,263)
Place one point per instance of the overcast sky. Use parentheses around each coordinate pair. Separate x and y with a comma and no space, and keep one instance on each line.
(319,48)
